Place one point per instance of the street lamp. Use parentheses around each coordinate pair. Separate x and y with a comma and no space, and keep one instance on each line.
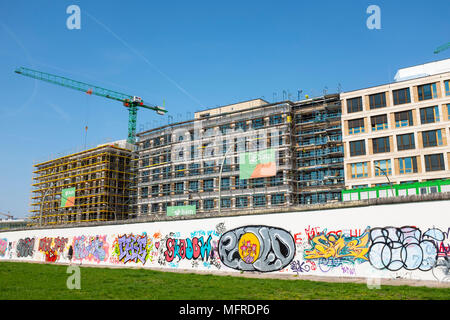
(389,181)
(220,176)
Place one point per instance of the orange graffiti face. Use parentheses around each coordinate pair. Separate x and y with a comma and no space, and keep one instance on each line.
(249,247)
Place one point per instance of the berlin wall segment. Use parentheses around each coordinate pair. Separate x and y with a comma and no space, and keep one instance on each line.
(383,241)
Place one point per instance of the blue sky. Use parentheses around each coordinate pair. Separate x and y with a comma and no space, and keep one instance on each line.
(191,55)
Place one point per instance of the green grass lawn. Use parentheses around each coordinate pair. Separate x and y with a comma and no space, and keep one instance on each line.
(45,281)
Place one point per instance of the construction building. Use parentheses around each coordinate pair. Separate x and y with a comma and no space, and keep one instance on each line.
(399,132)
(198,162)
(89,186)
(319,152)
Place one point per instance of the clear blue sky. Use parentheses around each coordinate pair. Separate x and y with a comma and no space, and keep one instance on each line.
(190,54)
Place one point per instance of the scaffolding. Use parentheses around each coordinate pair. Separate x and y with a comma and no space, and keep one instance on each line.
(180,164)
(102,181)
(319,150)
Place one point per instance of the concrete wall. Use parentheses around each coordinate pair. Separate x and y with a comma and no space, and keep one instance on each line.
(408,240)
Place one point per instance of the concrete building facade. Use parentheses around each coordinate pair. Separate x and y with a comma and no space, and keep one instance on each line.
(397,132)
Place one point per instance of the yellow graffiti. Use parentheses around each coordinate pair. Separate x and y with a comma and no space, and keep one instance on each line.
(335,246)
(249,247)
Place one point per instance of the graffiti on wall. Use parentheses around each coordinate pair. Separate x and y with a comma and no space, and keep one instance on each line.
(52,247)
(133,248)
(256,248)
(406,247)
(335,248)
(189,248)
(25,248)
(92,248)
(3,247)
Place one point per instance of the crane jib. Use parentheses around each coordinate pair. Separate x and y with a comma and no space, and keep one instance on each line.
(132,102)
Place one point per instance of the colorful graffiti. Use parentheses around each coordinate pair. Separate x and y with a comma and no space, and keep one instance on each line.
(52,247)
(256,248)
(406,247)
(334,248)
(3,247)
(25,248)
(133,248)
(92,248)
(189,248)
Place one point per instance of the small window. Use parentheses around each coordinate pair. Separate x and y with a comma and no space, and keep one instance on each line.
(379,122)
(429,115)
(427,91)
(403,119)
(356,126)
(381,145)
(359,170)
(407,165)
(377,100)
(241,202)
(382,167)
(401,96)
(447,87)
(434,162)
(354,105)
(357,148)
(405,141)
(432,138)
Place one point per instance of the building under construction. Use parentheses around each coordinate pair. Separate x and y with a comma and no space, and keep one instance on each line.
(92,185)
(319,152)
(199,162)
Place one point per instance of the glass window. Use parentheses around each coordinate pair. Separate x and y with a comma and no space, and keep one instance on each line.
(356,126)
(278,198)
(407,165)
(241,202)
(241,184)
(377,100)
(401,96)
(193,186)
(380,145)
(432,138)
(447,87)
(427,91)
(382,167)
(225,203)
(225,183)
(193,169)
(379,122)
(208,185)
(403,119)
(357,148)
(429,115)
(405,141)
(179,187)
(354,105)
(208,204)
(195,203)
(434,162)
(241,126)
(259,201)
(179,170)
(257,182)
(359,170)
(257,123)
(276,119)
(166,189)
